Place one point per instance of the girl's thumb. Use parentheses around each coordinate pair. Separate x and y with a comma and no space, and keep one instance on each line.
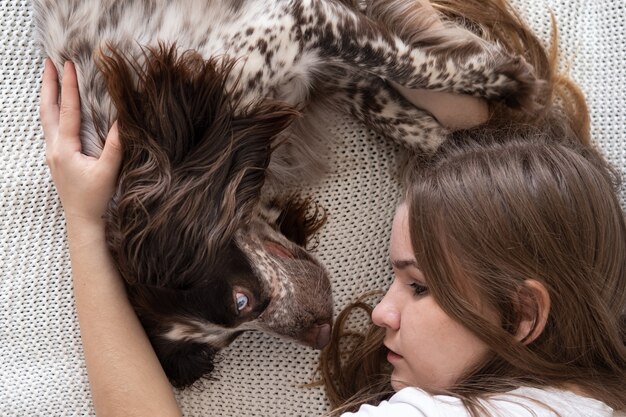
(112,152)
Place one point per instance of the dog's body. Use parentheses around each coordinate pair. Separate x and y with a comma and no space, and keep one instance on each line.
(191,234)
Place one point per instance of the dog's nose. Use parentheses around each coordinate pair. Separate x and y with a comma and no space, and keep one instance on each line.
(318,336)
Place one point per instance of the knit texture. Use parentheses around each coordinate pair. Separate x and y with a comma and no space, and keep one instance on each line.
(42,369)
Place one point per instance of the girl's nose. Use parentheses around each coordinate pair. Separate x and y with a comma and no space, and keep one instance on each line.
(386,315)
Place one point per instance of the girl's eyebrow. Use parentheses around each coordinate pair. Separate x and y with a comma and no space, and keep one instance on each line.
(403,263)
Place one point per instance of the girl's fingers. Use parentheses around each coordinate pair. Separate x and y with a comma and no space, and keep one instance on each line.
(49,106)
(111,155)
(69,121)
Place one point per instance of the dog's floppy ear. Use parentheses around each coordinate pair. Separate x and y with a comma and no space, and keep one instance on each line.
(184,362)
(194,160)
(299,218)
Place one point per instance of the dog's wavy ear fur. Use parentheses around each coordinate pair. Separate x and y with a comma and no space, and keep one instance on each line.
(299,219)
(184,363)
(194,161)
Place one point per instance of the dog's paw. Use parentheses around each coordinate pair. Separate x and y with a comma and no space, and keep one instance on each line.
(514,83)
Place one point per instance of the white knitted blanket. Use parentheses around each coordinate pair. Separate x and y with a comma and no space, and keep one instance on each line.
(42,370)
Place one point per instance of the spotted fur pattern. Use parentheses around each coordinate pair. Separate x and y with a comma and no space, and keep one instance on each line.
(311,55)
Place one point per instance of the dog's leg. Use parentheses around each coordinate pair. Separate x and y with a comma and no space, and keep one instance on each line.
(435,59)
(373,102)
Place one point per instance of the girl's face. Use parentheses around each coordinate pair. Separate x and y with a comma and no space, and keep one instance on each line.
(426,347)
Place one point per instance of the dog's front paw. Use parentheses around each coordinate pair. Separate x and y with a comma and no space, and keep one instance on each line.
(514,83)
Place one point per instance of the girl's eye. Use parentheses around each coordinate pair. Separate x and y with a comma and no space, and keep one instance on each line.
(241,301)
(418,288)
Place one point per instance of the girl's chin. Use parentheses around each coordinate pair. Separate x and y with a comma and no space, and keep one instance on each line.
(397,383)
(397,386)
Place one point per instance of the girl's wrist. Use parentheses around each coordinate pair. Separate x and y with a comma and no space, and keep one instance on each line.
(84,219)
(83,230)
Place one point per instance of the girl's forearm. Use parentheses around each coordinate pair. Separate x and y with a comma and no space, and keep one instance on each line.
(125,375)
(454,111)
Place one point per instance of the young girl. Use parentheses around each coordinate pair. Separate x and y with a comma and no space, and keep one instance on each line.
(509,290)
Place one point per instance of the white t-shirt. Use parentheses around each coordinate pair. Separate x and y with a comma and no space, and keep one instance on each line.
(522,402)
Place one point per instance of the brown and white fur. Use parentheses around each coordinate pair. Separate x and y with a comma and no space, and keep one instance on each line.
(209,96)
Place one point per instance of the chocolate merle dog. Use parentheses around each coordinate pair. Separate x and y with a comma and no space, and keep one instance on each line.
(216,98)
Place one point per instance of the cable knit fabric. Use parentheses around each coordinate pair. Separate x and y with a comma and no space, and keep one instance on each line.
(42,369)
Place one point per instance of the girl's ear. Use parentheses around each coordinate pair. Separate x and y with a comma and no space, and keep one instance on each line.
(533,308)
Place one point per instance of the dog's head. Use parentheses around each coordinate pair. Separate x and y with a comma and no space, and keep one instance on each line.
(203,256)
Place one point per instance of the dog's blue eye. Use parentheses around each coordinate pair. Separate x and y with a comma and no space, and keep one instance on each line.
(242,301)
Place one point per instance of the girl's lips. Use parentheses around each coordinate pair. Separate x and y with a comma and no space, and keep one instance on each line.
(393,356)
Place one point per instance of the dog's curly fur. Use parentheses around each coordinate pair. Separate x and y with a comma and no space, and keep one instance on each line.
(216,97)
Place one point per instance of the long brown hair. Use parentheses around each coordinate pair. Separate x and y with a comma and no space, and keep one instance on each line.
(553,215)
(581,259)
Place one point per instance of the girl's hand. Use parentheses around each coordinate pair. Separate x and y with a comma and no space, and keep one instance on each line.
(85,184)
(453,111)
